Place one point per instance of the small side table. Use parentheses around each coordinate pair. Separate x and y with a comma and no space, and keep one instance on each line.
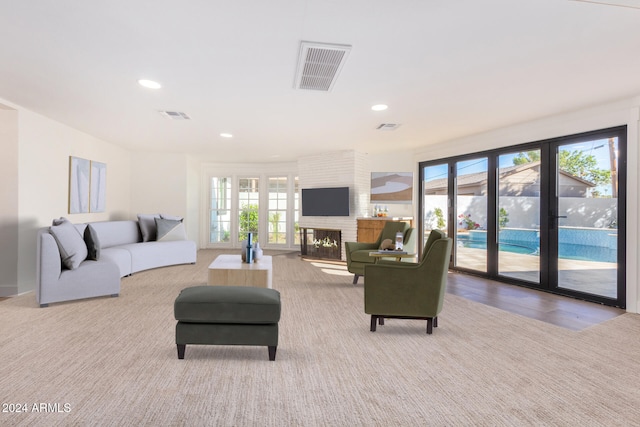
(391,254)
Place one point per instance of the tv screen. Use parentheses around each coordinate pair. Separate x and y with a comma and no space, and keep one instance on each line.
(325,201)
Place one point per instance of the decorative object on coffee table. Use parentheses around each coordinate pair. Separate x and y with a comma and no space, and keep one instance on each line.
(257,252)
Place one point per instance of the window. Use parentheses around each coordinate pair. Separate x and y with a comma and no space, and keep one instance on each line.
(220,210)
(248,205)
(296,211)
(241,201)
(277,210)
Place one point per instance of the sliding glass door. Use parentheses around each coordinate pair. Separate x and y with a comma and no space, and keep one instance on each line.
(518,209)
(585,221)
(548,215)
(470,186)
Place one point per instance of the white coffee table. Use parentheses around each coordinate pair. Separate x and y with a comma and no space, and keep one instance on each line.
(230,270)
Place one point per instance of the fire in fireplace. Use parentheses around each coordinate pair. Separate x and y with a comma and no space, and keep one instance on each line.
(320,243)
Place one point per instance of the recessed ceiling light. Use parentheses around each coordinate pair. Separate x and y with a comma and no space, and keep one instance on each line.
(379,107)
(226,135)
(149,84)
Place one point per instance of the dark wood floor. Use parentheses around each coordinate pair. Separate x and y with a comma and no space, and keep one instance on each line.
(558,310)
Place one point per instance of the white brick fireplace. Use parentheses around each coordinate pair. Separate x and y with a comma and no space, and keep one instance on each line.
(338,169)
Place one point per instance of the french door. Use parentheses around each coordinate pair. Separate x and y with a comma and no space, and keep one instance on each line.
(547,215)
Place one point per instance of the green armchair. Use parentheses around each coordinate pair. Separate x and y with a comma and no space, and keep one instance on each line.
(358,252)
(409,291)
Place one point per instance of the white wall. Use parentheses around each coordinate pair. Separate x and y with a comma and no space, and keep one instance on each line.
(622,112)
(44,147)
(164,183)
(193,198)
(9,218)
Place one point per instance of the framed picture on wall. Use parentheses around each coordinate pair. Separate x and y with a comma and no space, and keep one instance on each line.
(87,186)
(392,187)
(98,191)
(79,177)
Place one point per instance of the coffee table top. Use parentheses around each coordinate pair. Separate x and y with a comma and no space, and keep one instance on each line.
(234,262)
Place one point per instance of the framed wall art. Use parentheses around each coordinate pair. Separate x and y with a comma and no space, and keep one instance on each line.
(79,175)
(87,186)
(98,190)
(392,187)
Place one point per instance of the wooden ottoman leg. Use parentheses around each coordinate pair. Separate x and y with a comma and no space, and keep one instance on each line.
(272,352)
(181,348)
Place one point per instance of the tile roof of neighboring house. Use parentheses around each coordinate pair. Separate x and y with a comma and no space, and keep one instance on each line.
(481,177)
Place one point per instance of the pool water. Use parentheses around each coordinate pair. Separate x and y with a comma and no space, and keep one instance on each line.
(566,250)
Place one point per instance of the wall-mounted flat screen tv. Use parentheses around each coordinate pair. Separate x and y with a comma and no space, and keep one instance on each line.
(325,201)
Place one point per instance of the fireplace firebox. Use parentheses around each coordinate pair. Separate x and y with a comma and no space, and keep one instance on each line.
(320,243)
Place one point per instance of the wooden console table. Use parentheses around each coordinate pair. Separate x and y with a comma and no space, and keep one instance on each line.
(369,228)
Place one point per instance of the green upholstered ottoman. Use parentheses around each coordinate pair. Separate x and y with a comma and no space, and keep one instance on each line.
(227,315)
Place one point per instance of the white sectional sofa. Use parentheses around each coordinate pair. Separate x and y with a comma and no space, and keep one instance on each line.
(122,251)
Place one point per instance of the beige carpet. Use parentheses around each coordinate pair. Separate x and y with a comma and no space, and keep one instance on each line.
(112,361)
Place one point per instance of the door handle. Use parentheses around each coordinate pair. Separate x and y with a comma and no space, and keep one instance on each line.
(554,220)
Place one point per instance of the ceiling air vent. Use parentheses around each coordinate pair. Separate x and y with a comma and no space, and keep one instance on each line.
(175,115)
(319,65)
(388,126)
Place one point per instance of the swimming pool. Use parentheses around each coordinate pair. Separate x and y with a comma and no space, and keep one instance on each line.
(601,243)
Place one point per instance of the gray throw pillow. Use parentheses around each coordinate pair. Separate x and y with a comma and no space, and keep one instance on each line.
(173,217)
(73,249)
(92,242)
(147,226)
(170,229)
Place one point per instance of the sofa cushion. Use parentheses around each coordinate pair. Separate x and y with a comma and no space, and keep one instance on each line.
(169,230)
(147,224)
(120,257)
(92,242)
(146,255)
(73,249)
(117,233)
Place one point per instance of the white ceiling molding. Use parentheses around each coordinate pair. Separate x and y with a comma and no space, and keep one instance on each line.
(319,65)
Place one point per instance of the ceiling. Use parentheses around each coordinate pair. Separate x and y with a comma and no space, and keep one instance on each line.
(446,69)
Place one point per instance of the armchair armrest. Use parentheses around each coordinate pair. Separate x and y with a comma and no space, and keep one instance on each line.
(357,246)
(395,263)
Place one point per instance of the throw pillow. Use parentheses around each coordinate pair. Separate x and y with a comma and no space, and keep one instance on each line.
(170,229)
(73,249)
(175,218)
(147,226)
(93,244)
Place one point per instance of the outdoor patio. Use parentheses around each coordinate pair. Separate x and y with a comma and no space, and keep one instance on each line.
(598,278)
